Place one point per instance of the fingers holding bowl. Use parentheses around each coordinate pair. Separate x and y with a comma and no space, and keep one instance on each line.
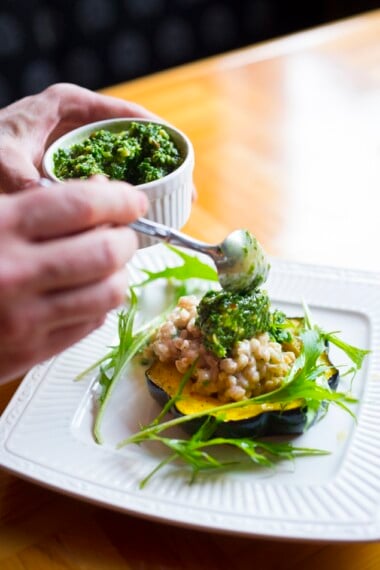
(75,206)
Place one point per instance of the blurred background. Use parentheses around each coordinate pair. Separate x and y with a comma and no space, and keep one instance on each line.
(96,43)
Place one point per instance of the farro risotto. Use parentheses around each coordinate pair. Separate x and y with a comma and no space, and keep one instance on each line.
(255,365)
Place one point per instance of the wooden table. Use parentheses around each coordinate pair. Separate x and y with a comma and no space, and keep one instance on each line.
(287,143)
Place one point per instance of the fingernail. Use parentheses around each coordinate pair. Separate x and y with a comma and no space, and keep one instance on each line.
(99,178)
(45,182)
(143,203)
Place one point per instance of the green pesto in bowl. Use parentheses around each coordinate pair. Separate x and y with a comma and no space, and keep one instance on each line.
(141,153)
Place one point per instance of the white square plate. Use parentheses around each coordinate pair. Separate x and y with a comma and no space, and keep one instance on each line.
(45,433)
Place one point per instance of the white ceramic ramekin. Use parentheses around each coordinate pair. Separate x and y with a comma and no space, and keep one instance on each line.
(169,197)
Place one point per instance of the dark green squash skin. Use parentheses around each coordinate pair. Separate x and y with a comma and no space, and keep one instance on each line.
(271,423)
(290,422)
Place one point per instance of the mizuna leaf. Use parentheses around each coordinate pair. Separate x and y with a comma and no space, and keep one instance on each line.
(191,268)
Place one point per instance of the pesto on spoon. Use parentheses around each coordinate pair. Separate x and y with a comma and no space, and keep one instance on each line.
(240,260)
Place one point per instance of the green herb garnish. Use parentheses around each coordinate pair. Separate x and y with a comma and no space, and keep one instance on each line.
(196,451)
(115,362)
(191,268)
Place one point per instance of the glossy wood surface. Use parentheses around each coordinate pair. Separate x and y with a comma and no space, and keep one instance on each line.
(287,143)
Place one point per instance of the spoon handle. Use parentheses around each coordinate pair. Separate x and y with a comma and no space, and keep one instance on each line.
(168,235)
(164,233)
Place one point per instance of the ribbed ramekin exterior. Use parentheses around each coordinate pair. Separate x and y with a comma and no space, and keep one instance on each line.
(170,200)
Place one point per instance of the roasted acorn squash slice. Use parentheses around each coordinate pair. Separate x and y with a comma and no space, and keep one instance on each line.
(251,421)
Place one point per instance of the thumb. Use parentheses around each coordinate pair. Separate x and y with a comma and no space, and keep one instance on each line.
(17,172)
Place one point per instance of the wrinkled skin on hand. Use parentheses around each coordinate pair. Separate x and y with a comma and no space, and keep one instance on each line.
(63,249)
(28,126)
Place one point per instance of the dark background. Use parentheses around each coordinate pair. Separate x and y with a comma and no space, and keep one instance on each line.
(97,43)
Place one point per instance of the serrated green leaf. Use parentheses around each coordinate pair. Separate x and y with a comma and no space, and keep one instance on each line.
(191,268)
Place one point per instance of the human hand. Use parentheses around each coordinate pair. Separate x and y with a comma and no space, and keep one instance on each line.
(28,126)
(62,257)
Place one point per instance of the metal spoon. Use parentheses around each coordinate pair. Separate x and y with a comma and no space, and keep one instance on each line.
(240,260)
